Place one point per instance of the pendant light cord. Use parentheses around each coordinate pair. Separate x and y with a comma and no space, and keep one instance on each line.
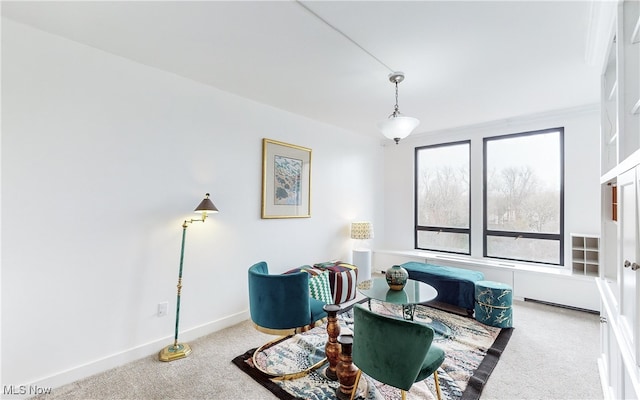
(396,110)
(346,37)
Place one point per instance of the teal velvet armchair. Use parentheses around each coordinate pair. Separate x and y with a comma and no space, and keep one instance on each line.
(394,351)
(281,305)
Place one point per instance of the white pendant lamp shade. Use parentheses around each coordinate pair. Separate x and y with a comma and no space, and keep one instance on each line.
(397,128)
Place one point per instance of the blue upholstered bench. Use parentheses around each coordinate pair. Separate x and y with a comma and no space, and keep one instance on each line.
(455,286)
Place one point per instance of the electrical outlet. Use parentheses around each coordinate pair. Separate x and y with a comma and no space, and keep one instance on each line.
(162,309)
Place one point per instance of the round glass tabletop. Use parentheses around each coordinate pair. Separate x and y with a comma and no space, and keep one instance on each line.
(414,292)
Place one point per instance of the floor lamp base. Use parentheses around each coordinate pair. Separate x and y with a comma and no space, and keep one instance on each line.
(172,352)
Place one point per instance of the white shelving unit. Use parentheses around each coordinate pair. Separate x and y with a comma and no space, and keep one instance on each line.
(585,254)
(618,278)
(609,129)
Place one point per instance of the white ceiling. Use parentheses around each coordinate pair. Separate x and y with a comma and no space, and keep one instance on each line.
(465,62)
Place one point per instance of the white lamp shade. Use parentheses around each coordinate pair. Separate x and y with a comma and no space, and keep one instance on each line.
(398,127)
(361,230)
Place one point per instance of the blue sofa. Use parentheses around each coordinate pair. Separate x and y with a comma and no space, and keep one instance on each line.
(455,286)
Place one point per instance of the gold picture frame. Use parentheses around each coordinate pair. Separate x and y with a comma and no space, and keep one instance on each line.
(286,180)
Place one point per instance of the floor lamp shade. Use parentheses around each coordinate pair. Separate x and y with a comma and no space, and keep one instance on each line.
(206,206)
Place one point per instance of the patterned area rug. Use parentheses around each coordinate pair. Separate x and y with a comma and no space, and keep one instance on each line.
(471,350)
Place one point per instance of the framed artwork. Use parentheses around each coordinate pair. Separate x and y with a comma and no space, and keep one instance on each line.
(286,180)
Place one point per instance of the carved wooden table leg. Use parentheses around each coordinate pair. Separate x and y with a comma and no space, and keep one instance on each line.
(332,348)
(345,369)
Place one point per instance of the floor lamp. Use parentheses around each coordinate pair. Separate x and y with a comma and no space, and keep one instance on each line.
(181,350)
(362,256)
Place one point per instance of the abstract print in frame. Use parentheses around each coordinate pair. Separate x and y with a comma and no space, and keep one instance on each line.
(286,180)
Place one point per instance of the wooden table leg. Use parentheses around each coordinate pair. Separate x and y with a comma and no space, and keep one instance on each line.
(332,348)
(346,370)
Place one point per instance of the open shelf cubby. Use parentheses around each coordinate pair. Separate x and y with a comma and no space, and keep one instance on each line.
(585,254)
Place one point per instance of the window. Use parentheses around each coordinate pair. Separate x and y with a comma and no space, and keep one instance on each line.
(524,197)
(443,202)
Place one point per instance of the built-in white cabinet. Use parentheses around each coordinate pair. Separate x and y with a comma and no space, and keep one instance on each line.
(627,271)
(619,270)
(618,284)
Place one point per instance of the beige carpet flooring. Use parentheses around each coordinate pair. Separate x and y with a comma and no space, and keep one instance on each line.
(551,355)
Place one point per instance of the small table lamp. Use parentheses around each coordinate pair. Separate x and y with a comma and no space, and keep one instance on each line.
(180,350)
(362,256)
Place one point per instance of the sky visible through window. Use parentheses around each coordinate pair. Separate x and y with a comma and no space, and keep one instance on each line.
(540,152)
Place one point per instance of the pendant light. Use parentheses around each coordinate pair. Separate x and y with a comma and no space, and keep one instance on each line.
(397,126)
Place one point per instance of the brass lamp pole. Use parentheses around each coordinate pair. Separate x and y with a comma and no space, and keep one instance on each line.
(181,350)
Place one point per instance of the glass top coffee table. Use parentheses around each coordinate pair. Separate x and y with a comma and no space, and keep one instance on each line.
(414,293)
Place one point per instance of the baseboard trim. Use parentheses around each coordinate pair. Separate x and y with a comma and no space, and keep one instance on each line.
(135,353)
(562,306)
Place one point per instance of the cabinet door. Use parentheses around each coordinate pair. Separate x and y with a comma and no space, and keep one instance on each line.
(627,276)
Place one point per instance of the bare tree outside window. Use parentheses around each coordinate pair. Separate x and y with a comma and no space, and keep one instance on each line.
(522,203)
(443,197)
(523,196)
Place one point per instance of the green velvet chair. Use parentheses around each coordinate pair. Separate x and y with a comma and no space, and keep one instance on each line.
(281,304)
(394,351)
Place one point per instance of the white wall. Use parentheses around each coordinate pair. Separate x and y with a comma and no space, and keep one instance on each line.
(102,160)
(582,174)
